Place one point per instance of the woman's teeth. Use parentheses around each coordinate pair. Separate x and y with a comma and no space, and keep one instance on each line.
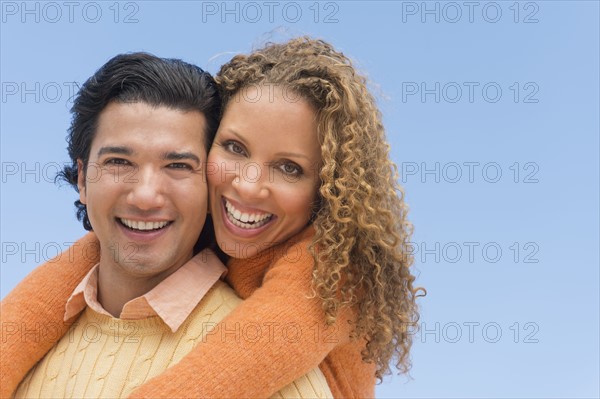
(246,220)
(145,226)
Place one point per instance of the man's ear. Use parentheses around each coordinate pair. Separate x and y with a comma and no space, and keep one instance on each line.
(81,181)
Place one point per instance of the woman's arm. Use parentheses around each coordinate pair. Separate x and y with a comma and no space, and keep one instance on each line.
(32,313)
(274,337)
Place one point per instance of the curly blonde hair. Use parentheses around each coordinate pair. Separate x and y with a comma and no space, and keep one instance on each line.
(360,246)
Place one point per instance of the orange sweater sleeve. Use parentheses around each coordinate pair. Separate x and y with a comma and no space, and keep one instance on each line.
(32,313)
(274,337)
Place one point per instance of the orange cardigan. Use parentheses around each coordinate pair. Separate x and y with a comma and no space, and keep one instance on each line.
(274,337)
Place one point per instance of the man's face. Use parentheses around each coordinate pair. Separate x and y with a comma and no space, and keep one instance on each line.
(144,188)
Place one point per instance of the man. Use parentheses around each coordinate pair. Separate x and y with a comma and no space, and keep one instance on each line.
(138,142)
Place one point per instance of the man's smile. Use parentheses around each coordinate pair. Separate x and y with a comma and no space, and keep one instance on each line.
(141,225)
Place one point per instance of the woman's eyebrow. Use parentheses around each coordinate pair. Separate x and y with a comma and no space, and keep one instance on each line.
(236,134)
(292,155)
(279,154)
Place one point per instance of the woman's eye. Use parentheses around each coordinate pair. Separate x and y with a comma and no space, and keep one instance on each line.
(234,147)
(291,169)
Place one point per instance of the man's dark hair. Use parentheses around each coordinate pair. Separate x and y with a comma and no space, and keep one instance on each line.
(131,78)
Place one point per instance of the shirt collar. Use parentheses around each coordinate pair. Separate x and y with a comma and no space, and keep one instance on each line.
(173,299)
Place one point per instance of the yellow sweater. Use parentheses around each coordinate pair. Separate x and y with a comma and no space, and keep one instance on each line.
(104,357)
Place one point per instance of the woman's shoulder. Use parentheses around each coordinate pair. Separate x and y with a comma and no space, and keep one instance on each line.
(296,253)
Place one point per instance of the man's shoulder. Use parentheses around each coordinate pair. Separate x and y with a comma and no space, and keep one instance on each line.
(223,291)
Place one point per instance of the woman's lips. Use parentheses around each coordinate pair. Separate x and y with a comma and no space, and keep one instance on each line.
(245,224)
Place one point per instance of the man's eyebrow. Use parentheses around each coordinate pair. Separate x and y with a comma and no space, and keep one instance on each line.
(178,156)
(114,150)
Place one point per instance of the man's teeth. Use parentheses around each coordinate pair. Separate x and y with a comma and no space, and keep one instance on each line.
(141,225)
(246,220)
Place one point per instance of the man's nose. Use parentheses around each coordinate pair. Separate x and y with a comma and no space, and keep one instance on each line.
(147,190)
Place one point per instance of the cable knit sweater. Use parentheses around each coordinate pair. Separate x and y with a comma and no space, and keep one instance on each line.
(274,337)
(108,357)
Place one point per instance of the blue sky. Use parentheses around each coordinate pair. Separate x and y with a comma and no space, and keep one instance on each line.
(491,110)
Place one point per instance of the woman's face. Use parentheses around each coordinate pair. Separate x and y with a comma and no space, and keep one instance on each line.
(263,170)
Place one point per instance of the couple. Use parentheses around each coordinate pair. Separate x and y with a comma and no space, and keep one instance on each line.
(305,211)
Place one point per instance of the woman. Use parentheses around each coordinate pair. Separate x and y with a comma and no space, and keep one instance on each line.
(323,182)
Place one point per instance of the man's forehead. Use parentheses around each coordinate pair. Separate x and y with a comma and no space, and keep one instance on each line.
(129,128)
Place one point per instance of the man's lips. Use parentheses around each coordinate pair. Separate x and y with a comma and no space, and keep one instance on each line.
(141,225)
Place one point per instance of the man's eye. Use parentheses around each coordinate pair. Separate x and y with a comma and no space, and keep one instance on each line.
(180,165)
(117,162)
(234,147)
(291,169)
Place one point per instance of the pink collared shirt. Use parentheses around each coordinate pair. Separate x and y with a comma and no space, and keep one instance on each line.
(172,300)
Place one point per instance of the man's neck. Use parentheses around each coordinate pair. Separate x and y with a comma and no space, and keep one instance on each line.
(116,288)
